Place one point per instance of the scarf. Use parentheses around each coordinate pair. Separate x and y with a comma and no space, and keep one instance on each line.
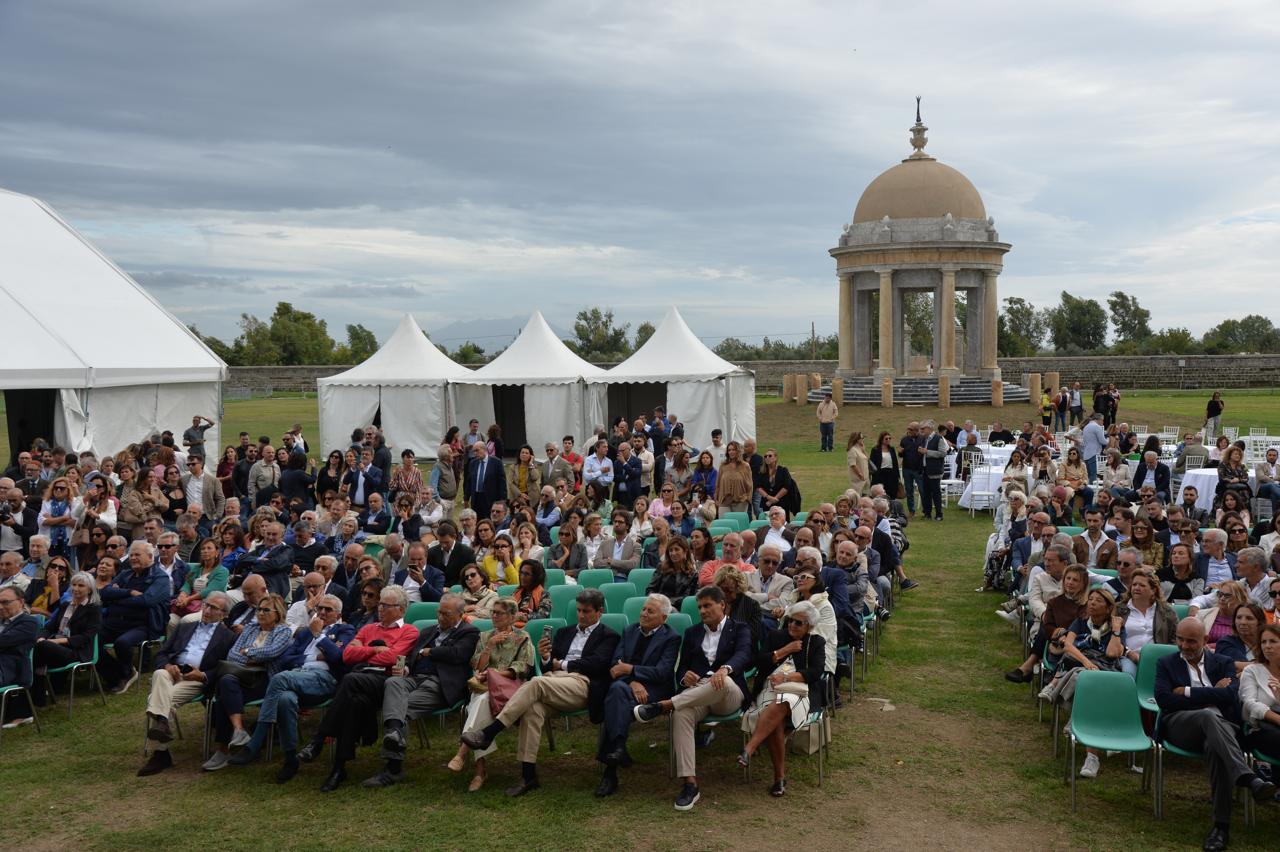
(58,534)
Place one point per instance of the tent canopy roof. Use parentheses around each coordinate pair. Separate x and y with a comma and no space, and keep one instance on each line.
(672,353)
(407,358)
(63,296)
(536,357)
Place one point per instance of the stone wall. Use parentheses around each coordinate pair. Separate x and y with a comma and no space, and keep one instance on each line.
(1191,371)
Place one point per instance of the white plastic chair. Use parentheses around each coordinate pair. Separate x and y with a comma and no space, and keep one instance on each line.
(981,474)
(1257,431)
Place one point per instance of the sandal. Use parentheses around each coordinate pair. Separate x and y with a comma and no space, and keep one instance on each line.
(779,788)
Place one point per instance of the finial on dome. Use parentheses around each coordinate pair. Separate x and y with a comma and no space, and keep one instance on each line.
(918,137)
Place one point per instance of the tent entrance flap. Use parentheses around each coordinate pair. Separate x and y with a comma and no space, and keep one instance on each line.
(28,415)
(508,413)
(636,399)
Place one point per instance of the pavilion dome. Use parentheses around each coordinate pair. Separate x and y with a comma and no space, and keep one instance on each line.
(919,188)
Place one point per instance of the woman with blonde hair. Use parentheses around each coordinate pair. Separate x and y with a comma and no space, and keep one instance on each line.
(1148,619)
(1219,619)
(859,464)
(57,516)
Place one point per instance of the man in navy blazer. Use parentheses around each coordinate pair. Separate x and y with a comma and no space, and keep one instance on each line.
(363,479)
(428,580)
(1199,711)
(1151,471)
(273,559)
(17,638)
(485,482)
(575,668)
(136,605)
(713,657)
(1213,560)
(643,671)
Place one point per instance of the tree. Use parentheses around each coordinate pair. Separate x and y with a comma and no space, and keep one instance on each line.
(467,353)
(643,332)
(300,337)
(735,350)
(1131,322)
(360,342)
(1077,325)
(254,344)
(228,354)
(596,338)
(917,318)
(1171,341)
(1020,329)
(1254,333)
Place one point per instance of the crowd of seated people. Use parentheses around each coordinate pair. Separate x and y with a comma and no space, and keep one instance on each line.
(1150,567)
(267,581)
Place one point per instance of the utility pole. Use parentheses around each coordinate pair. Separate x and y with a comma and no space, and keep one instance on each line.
(813,341)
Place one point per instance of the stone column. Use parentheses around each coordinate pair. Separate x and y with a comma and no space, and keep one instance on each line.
(944,391)
(861,332)
(802,389)
(788,387)
(886,323)
(997,393)
(837,390)
(990,309)
(948,319)
(886,392)
(900,341)
(846,322)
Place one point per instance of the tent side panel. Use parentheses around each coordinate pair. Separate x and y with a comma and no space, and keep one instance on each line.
(176,404)
(551,412)
(413,419)
(742,408)
(343,408)
(468,401)
(700,406)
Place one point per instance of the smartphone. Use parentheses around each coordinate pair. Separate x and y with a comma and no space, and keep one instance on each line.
(546,631)
(400,661)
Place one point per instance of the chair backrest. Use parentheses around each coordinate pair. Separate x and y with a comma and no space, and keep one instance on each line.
(1147,659)
(616,594)
(534,627)
(1181,610)
(482,624)
(733,524)
(631,608)
(800,517)
(758,523)
(421,610)
(423,623)
(742,517)
(689,606)
(594,578)
(374,550)
(506,590)
(679,622)
(1195,462)
(642,577)
(562,601)
(615,621)
(555,536)
(648,540)
(1105,704)
(1071,530)
(555,576)
(456,588)
(1106,572)
(1257,431)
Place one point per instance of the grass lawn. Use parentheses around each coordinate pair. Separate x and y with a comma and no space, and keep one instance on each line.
(953,758)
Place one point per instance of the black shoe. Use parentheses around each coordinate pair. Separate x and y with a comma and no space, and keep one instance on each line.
(1263,791)
(608,786)
(393,740)
(626,762)
(688,797)
(779,788)
(159,730)
(704,738)
(910,584)
(475,740)
(334,781)
(288,770)
(744,759)
(646,712)
(158,762)
(1017,676)
(1217,840)
(310,752)
(243,757)
(616,758)
(385,778)
(884,615)
(526,785)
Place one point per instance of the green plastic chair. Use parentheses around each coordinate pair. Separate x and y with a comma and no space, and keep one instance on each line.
(563,602)
(506,590)
(631,608)
(1071,530)
(456,589)
(1106,572)
(74,668)
(1105,715)
(800,517)
(1163,746)
(742,518)
(555,576)
(615,621)
(594,578)
(555,535)
(422,610)
(5,691)
(423,623)
(644,545)
(374,550)
(758,524)
(534,629)
(1147,659)
(642,577)
(721,525)
(689,606)
(679,622)
(1181,610)
(482,624)
(616,594)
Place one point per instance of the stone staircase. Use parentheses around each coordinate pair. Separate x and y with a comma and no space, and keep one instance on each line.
(865,390)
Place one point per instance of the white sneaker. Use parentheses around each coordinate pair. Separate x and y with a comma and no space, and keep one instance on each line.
(1091,766)
(17,723)
(1009,617)
(239,738)
(216,762)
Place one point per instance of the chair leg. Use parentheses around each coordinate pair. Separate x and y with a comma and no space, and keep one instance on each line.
(96,682)
(1072,773)
(1159,784)
(271,738)
(551,735)
(71,692)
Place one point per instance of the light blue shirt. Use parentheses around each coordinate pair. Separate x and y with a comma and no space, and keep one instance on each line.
(597,468)
(200,640)
(1094,440)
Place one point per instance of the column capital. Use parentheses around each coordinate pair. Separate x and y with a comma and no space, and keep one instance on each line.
(884,270)
(951,268)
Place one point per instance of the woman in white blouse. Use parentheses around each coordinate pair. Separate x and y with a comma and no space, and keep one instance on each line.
(1260,695)
(1147,619)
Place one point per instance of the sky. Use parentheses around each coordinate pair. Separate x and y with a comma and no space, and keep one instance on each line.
(468,160)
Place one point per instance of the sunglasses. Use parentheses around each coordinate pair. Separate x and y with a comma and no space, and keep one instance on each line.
(1235,530)
(167,546)
(265,609)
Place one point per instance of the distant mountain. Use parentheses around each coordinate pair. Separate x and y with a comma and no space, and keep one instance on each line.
(490,333)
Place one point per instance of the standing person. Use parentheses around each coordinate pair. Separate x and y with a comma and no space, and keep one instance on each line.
(883,464)
(828,411)
(1061,402)
(1102,404)
(856,457)
(1114,393)
(734,481)
(1046,406)
(1093,443)
(775,486)
(912,465)
(932,451)
(444,479)
(193,438)
(1076,404)
(1213,415)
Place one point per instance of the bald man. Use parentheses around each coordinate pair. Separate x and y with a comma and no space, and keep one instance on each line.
(1199,711)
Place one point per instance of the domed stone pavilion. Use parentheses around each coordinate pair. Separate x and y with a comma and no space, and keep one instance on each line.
(921,225)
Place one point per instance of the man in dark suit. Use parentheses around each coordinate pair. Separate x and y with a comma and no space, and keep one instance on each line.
(183,667)
(485,482)
(1214,564)
(420,580)
(643,671)
(17,637)
(272,560)
(448,555)
(254,589)
(626,476)
(433,677)
(1154,472)
(575,666)
(713,657)
(1199,711)
(363,479)
(136,604)
(18,522)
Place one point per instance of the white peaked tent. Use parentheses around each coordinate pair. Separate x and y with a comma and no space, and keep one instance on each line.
(94,362)
(557,401)
(406,379)
(702,389)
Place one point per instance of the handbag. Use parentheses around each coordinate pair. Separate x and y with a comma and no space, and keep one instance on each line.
(194,605)
(501,688)
(902,491)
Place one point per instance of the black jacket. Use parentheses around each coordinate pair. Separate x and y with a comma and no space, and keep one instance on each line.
(809,661)
(594,664)
(84,625)
(450,662)
(24,525)
(216,651)
(459,557)
(734,650)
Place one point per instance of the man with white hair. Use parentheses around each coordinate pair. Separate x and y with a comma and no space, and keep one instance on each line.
(11,575)
(1152,471)
(643,670)
(1214,564)
(767,583)
(135,606)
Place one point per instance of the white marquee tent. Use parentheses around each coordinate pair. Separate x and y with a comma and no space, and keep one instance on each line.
(94,362)
(702,389)
(406,379)
(552,381)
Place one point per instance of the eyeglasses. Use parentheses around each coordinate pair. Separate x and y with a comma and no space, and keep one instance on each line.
(770,561)
(265,609)
(385,605)
(215,607)
(804,577)
(167,546)
(323,608)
